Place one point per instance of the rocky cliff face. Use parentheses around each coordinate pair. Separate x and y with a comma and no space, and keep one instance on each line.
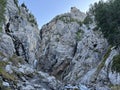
(19,52)
(66,54)
(76,53)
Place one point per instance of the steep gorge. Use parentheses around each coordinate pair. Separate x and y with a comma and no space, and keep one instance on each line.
(66,54)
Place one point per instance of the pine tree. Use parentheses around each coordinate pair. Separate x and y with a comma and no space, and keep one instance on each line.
(107,16)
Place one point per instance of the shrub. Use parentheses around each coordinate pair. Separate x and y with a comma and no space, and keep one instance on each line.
(32,19)
(68,19)
(107,17)
(88,20)
(116,63)
(7,76)
(16,60)
(4,74)
(23,5)
(16,3)
(79,34)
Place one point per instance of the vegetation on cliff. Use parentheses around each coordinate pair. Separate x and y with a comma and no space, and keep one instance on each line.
(116,63)
(2,10)
(107,17)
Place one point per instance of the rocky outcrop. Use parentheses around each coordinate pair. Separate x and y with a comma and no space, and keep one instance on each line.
(68,53)
(23,32)
(19,52)
(6,46)
(67,43)
(75,53)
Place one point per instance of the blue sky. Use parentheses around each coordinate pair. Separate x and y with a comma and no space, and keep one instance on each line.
(45,10)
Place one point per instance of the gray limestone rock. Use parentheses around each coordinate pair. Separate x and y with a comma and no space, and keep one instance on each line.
(25,34)
(64,54)
(6,46)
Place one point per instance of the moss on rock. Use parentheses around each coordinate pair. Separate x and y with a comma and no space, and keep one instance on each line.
(6,75)
(115,87)
(2,11)
(79,34)
(16,60)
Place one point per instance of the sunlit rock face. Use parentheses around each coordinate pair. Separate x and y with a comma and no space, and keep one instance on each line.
(68,53)
(19,52)
(23,29)
(75,53)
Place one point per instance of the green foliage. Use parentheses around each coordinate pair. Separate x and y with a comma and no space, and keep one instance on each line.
(102,64)
(79,22)
(4,74)
(107,16)
(16,60)
(115,87)
(88,20)
(79,34)
(3,64)
(67,19)
(95,28)
(76,88)
(16,3)
(23,5)
(32,19)
(116,63)
(2,11)
(57,40)
(104,59)
(0,29)
(7,76)
(4,87)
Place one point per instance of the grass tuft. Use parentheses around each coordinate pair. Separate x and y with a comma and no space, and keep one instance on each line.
(2,11)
